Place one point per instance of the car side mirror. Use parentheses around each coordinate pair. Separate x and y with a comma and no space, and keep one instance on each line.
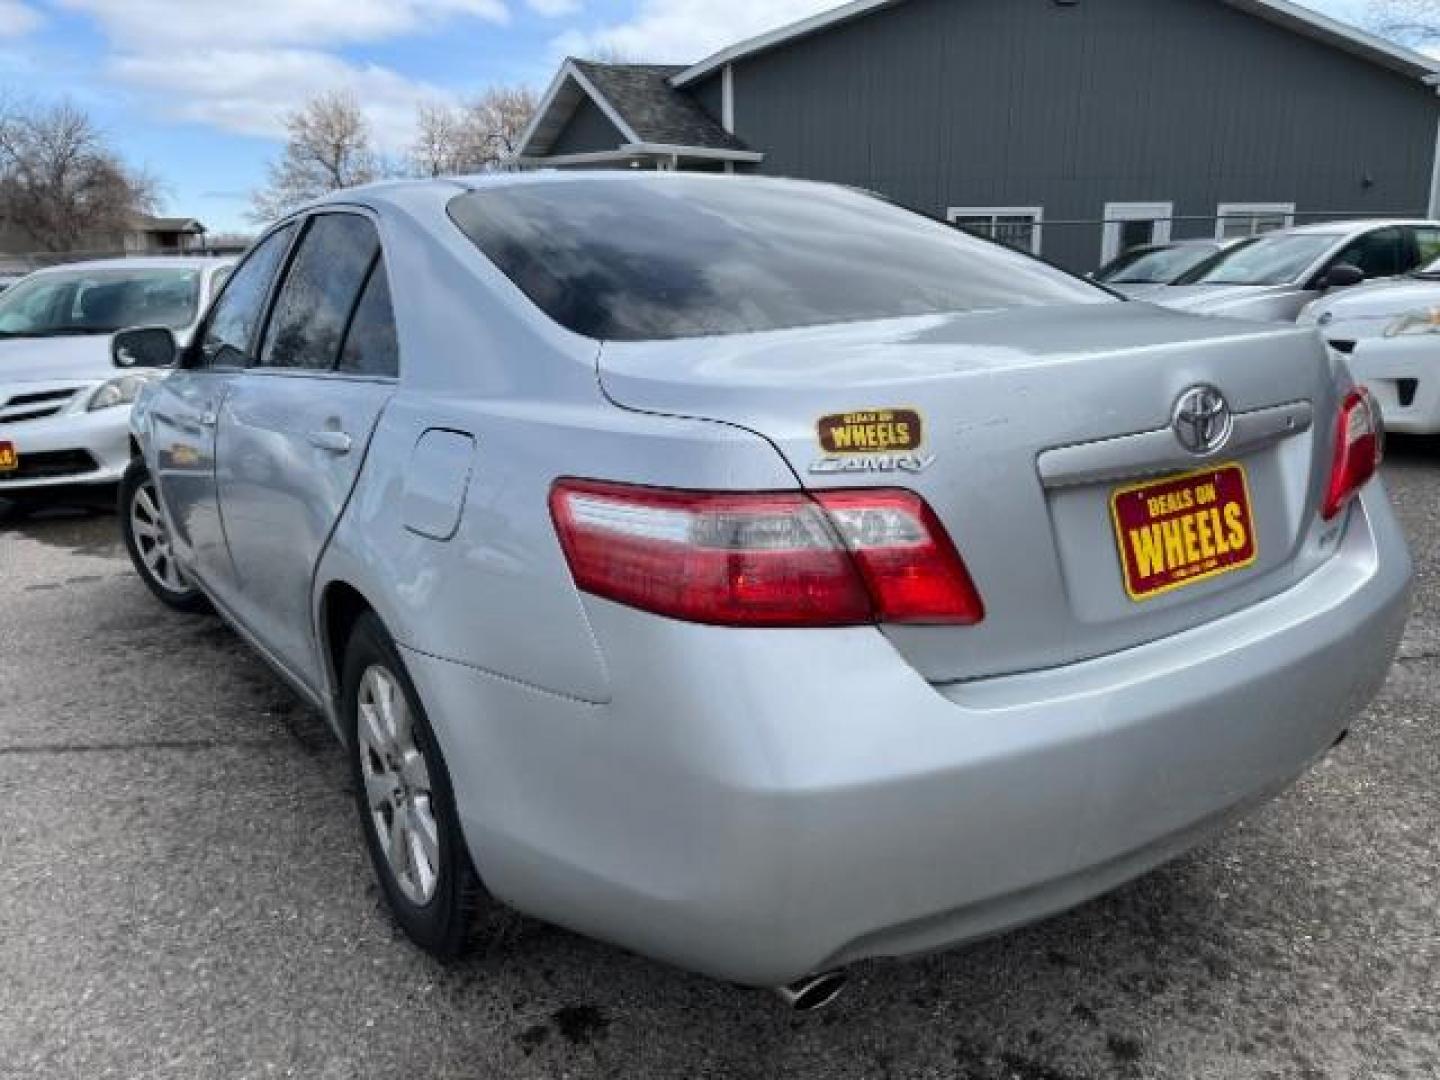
(1342,276)
(144,347)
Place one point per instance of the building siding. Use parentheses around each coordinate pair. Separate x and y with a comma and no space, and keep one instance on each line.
(710,95)
(587,131)
(945,103)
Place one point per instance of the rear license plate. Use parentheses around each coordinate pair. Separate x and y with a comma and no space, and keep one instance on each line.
(1183,530)
(9,459)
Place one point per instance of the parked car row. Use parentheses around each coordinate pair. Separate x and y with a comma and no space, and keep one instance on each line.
(748,572)
(1372,288)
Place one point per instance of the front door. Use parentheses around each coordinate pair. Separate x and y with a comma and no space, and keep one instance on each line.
(186,407)
(294,428)
(1132,225)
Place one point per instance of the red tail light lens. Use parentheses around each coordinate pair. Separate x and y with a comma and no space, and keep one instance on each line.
(910,566)
(1359,449)
(776,560)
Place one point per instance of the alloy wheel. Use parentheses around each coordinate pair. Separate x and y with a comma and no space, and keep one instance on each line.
(152,539)
(397,785)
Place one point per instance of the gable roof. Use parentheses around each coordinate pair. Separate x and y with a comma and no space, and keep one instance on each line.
(1291,16)
(654,109)
(639,99)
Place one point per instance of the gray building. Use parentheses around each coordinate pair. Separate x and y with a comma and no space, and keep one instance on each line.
(1073,128)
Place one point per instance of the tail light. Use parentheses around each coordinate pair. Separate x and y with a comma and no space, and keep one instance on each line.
(845,558)
(1359,449)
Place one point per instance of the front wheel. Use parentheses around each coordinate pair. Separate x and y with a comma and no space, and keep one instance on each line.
(147,539)
(406,803)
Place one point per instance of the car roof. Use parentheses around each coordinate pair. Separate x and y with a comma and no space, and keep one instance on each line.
(1345,228)
(145,262)
(413,193)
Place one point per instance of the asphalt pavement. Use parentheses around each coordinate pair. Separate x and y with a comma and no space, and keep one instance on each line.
(183,894)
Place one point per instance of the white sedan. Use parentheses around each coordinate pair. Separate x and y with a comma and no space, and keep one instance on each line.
(64,409)
(1390,332)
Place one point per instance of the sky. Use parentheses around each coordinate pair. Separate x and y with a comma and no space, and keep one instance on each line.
(195,91)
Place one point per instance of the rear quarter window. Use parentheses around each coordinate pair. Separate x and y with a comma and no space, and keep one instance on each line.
(636,258)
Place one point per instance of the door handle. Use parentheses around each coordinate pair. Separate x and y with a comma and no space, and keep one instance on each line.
(335,442)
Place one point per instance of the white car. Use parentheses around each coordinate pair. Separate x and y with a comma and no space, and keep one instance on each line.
(64,409)
(1390,331)
(1274,278)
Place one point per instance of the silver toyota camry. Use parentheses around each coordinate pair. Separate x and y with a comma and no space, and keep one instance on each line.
(753,573)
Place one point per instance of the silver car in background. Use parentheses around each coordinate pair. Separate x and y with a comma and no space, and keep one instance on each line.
(64,409)
(1275,277)
(1147,269)
(755,574)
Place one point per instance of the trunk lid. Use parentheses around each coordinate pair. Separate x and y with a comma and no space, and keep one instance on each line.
(1032,420)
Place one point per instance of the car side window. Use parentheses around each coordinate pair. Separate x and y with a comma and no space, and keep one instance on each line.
(319,293)
(230,329)
(1427,245)
(371,347)
(1377,253)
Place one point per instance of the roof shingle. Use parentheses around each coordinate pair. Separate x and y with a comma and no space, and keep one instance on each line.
(655,110)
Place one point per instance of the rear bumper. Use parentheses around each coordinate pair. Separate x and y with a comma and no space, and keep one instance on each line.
(69,450)
(761,805)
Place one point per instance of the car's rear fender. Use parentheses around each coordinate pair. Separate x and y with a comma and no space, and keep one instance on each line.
(490,587)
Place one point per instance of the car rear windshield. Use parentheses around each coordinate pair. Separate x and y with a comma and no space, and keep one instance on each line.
(99,300)
(637,258)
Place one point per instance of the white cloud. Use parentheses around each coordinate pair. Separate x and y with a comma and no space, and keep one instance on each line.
(684,31)
(250,91)
(17,18)
(146,26)
(243,65)
(552,9)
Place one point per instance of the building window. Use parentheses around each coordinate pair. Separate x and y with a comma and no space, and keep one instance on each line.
(1236,220)
(1132,225)
(1016,226)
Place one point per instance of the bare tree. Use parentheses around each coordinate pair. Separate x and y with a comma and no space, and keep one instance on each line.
(437,136)
(1414,22)
(328,147)
(61,182)
(473,136)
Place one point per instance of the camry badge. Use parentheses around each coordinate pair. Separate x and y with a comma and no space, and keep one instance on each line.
(1203,421)
(876,463)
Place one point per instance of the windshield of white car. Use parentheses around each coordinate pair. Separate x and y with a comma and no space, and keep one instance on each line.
(99,301)
(660,257)
(1154,266)
(1278,259)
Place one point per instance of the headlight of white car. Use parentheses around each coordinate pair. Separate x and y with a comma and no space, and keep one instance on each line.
(121,390)
(1415,322)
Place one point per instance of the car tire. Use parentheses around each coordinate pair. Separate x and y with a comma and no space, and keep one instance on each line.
(147,539)
(404,797)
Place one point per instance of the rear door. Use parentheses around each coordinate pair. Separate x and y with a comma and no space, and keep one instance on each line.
(186,407)
(294,428)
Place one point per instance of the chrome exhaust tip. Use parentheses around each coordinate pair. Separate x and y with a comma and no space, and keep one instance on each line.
(814,992)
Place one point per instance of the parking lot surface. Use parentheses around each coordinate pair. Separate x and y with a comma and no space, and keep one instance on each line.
(183,894)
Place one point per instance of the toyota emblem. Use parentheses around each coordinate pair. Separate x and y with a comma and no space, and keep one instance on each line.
(1203,421)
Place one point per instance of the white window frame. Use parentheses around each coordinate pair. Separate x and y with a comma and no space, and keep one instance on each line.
(1252,211)
(1117,213)
(1036,214)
